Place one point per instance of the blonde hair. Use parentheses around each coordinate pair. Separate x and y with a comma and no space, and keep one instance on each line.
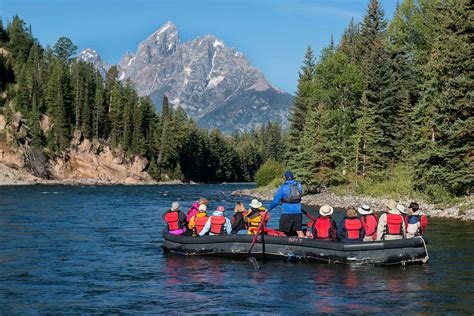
(239,207)
(351,212)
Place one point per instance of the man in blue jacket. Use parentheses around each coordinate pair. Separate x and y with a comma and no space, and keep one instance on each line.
(289,195)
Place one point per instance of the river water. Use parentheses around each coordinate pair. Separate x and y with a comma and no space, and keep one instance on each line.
(98,249)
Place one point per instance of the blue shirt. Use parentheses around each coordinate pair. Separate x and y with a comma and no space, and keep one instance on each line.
(207,227)
(283,192)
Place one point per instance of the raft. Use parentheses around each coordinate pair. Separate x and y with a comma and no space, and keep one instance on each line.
(389,252)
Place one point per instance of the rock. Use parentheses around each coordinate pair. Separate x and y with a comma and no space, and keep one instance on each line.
(377,203)
(76,138)
(138,165)
(3,122)
(45,124)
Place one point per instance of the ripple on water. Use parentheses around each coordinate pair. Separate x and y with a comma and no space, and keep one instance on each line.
(98,250)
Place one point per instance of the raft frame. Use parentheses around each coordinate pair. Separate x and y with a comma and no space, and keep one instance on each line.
(388,252)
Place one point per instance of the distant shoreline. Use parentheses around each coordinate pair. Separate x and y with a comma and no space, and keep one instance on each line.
(452,212)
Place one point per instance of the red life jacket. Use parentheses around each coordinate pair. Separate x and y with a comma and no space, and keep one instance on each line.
(370,222)
(322,227)
(199,223)
(353,227)
(217,224)
(172,218)
(394,224)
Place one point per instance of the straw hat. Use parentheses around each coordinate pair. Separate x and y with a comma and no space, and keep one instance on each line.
(391,205)
(365,210)
(326,210)
(255,204)
(401,209)
(202,208)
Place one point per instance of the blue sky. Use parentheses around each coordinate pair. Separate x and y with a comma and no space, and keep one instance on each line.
(273,34)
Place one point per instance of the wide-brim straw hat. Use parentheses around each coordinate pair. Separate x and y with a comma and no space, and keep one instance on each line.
(255,204)
(391,205)
(202,208)
(365,210)
(326,210)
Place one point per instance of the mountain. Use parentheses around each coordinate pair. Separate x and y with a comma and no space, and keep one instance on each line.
(91,56)
(214,84)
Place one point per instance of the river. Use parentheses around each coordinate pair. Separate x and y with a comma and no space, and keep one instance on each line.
(98,249)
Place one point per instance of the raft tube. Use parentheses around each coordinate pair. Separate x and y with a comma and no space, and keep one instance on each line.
(389,252)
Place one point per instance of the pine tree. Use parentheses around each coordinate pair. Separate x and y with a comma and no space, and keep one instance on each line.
(20,41)
(64,48)
(445,135)
(58,101)
(301,103)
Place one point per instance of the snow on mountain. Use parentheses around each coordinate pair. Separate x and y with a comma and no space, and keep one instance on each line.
(214,84)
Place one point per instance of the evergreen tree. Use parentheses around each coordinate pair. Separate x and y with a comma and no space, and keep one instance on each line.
(20,41)
(64,48)
(445,136)
(301,103)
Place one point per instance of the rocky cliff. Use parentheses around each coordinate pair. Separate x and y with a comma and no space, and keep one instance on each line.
(85,161)
(214,84)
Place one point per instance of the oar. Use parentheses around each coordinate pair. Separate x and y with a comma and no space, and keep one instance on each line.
(311,217)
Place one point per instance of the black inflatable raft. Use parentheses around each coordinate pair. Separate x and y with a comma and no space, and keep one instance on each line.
(404,251)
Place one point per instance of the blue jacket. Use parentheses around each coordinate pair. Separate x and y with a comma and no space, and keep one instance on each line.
(283,192)
(207,226)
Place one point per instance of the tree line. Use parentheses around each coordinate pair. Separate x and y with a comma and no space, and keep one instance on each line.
(390,94)
(36,81)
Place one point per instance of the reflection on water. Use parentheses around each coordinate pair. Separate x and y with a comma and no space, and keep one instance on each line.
(90,250)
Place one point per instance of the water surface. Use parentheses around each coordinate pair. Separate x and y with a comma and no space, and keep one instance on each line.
(98,249)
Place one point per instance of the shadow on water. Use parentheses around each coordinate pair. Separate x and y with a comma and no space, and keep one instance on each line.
(98,249)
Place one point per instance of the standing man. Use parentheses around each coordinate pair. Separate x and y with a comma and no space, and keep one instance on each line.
(289,195)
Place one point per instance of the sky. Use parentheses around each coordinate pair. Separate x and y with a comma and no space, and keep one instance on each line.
(272,34)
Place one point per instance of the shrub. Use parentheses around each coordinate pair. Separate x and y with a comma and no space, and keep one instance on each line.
(268,172)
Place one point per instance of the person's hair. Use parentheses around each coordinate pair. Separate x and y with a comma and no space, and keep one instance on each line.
(239,207)
(175,206)
(351,212)
(414,206)
(203,201)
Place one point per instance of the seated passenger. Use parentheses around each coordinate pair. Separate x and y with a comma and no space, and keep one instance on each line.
(197,222)
(254,216)
(351,229)
(324,227)
(175,219)
(391,224)
(370,221)
(238,218)
(217,224)
(193,210)
(416,221)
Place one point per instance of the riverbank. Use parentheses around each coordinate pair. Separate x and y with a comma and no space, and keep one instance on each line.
(12,176)
(463,211)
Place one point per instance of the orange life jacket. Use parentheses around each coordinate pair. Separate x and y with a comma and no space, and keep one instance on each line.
(199,223)
(322,227)
(394,224)
(353,227)
(172,218)
(217,224)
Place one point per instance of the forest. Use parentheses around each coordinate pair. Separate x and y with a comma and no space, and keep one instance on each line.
(49,81)
(391,100)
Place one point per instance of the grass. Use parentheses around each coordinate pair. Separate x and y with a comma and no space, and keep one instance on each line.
(397,185)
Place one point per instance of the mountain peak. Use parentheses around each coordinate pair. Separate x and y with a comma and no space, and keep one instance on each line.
(89,55)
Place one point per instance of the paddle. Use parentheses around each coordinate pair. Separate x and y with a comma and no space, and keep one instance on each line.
(254,240)
(311,217)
